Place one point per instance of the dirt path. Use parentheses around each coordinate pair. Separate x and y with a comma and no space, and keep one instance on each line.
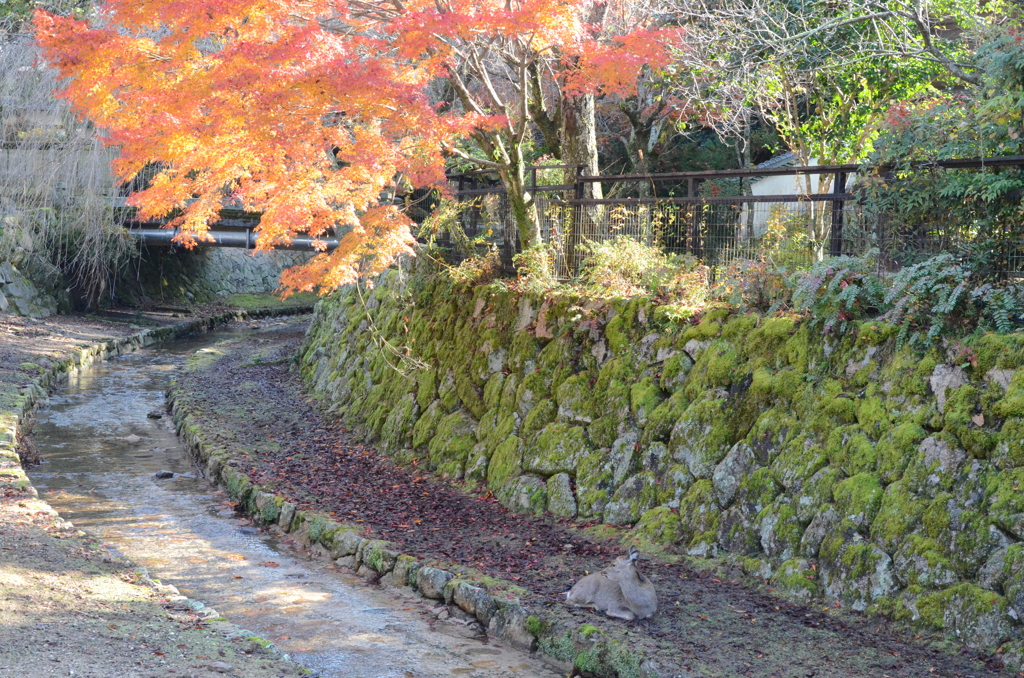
(68,607)
(707,625)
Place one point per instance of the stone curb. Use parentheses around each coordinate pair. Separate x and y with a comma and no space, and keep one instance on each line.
(504,619)
(38,390)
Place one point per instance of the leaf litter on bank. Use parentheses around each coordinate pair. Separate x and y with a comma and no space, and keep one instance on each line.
(706,622)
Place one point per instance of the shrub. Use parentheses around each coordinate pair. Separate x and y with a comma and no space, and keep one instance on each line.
(753,286)
(627,267)
(838,291)
(942,294)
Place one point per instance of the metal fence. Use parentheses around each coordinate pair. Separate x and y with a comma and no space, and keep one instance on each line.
(699,213)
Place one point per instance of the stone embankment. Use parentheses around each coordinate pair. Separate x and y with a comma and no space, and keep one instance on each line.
(842,469)
(68,605)
(244,409)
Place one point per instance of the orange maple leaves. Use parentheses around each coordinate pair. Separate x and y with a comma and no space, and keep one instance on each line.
(306,112)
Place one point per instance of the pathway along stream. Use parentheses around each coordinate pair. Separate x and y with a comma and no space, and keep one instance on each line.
(100,452)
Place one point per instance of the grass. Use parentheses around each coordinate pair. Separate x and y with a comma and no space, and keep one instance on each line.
(269,300)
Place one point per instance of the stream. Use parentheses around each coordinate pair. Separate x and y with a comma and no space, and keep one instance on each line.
(100,453)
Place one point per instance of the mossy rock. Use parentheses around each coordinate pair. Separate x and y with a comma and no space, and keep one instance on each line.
(849,449)
(396,433)
(780,529)
(493,389)
(426,426)
(698,519)
(936,466)
(544,413)
(506,463)
(632,498)
(644,398)
(659,525)
(799,460)
(557,449)
(561,500)
(899,513)
(817,492)
(450,446)
(528,494)
(857,499)
(797,579)
(535,388)
(919,561)
(593,485)
(896,448)
(977,617)
(963,536)
(1005,498)
(854,570)
(702,436)
(576,401)
(660,421)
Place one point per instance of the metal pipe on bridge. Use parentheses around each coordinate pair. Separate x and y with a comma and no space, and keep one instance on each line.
(237,238)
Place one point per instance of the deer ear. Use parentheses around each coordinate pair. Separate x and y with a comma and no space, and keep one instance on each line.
(634,554)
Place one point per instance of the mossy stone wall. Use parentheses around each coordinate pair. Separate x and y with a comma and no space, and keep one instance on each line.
(836,467)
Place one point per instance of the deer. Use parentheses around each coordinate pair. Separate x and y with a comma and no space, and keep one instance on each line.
(619,590)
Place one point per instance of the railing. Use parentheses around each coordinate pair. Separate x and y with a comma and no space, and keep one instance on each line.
(821,212)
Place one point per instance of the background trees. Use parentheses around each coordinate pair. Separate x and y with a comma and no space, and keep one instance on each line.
(308,114)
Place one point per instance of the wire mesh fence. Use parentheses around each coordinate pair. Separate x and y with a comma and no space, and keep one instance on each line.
(788,227)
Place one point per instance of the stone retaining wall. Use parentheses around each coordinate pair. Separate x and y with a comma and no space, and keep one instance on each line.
(202,274)
(836,467)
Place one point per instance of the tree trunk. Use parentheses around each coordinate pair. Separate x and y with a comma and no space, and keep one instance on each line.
(579,148)
(524,209)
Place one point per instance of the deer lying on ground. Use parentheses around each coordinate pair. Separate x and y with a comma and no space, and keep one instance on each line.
(619,591)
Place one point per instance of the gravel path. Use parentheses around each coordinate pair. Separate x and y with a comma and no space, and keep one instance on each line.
(710,623)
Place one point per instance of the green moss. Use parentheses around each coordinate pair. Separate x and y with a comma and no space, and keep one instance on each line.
(674,371)
(898,514)
(271,510)
(576,399)
(965,406)
(849,449)
(644,398)
(659,525)
(545,412)
(603,431)
(896,448)
(557,449)
(493,389)
(616,335)
(662,418)
(703,435)
(450,446)
(425,427)
(593,485)
(535,626)
(858,498)
(506,463)
(699,515)
(874,416)
(798,579)
(716,367)
(933,607)
(875,333)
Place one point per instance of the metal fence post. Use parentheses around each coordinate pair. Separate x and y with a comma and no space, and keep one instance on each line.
(576,229)
(696,244)
(835,248)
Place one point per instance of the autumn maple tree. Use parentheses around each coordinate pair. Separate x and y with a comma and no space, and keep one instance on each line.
(308,112)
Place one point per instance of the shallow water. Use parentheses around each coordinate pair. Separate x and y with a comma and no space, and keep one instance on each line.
(98,475)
